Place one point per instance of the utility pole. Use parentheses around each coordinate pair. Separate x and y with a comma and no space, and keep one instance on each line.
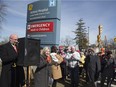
(105,41)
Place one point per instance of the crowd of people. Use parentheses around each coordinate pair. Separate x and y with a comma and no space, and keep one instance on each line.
(68,62)
(58,63)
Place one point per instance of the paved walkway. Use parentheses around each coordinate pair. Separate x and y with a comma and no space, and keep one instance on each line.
(81,84)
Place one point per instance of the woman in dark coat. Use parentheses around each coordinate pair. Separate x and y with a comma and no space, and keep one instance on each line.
(42,73)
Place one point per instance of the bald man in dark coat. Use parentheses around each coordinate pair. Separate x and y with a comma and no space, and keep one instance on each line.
(8,55)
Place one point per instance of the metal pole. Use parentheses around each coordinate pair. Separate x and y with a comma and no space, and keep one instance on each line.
(28,76)
(88,36)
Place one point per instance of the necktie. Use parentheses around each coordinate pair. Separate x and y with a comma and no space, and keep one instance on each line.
(15,48)
(14,64)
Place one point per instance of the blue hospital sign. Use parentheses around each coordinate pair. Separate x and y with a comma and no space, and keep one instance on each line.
(43,21)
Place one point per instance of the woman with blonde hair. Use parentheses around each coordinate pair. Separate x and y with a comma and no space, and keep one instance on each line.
(43,69)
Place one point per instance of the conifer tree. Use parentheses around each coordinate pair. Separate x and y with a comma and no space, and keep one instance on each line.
(81,35)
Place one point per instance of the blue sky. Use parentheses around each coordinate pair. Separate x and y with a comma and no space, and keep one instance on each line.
(93,12)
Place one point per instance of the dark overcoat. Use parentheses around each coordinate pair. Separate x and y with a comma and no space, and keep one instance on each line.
(8,56)
(93,67)
(41,76)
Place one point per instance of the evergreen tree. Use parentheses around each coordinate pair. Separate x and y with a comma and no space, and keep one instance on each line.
(81,35)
